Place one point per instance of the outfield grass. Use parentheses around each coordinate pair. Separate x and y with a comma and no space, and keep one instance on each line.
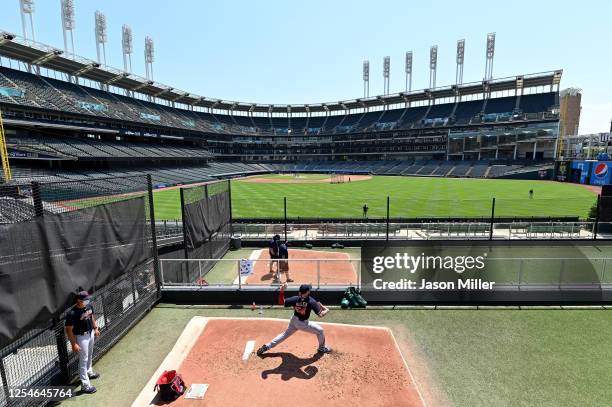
(496,357)
(411,197)
(167,203)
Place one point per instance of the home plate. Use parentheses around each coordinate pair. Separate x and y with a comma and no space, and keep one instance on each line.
(248,349)
(196,391)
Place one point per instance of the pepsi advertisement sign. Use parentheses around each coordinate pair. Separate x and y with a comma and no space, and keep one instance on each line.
(600,173)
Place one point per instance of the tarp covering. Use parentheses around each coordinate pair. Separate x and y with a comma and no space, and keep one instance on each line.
(207,226)
(206,217)
(44,260)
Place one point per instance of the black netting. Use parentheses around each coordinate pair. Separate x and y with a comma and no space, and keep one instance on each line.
(55,238)
(207,230)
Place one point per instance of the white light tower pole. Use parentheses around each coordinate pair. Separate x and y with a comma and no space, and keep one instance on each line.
(386,72)
(408,71)
(26,7)
(127,46)
(149,54)
(366,79)
(433,65)
(101,37)
(68,23)
(460,59)
(490,55)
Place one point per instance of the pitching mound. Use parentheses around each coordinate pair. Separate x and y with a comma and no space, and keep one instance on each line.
(365,369)
(290,180)
(336,268)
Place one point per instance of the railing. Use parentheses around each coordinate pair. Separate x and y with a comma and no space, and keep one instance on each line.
(422,231)
(520,273)
(165,229)
(261,272)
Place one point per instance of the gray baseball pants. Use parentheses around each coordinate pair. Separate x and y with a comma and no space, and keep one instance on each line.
(296,325)
(86,342)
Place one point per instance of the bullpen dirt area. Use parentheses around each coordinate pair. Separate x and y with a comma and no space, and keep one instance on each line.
(366,367)
(297,180)
(333,268)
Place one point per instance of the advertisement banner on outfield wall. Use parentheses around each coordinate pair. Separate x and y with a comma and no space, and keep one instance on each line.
(600,172)
(562,171)
(486,271)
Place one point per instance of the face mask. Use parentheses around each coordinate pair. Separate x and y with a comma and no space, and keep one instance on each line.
(86,302)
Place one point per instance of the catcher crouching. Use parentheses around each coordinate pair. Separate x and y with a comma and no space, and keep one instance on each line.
(303,304)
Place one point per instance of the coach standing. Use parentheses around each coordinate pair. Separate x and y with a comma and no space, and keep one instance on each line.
(81,329)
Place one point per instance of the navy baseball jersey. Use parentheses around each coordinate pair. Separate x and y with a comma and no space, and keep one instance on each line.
(303,306)
(80,319)
(273,248)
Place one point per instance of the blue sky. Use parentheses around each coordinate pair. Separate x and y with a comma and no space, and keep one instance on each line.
(312,51)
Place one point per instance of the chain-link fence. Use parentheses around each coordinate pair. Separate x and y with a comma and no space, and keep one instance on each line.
(57,238)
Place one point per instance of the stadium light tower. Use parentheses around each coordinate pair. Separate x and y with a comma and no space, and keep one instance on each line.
(408,71)
(127,46)
(490,55)
(68,23)
(433,65)
(386,72)
(26,7)
(101,37)
(460,58)
(149,54)
(366,79)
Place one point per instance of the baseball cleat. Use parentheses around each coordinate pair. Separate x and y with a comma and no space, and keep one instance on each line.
(324,349)
(89,390)
(261,350)
(94,375)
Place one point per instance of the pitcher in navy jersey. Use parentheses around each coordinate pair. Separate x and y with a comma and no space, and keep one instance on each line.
(303,304)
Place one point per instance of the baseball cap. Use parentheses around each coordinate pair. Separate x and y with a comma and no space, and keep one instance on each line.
(83,295)
(304,288)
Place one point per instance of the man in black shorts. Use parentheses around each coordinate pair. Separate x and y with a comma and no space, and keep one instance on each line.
(81,329)
(274,251)
(283,263)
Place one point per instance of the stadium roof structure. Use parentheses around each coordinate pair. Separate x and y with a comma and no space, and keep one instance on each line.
(41,55)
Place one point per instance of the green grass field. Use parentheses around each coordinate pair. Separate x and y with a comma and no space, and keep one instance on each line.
(409,197)
(487,357)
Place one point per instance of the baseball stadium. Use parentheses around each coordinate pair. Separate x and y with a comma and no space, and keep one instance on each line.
(446,246)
